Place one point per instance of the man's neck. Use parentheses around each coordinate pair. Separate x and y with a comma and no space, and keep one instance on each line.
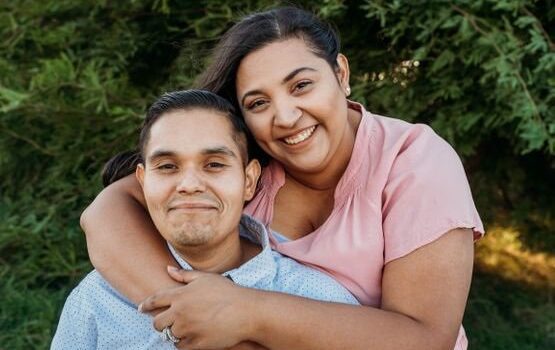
(221,257)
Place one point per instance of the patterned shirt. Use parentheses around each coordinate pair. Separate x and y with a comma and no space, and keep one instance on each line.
(97,316)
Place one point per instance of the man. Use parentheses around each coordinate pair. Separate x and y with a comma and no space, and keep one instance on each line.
(195,177)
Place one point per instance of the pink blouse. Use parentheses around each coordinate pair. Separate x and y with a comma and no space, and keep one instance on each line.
(403,188)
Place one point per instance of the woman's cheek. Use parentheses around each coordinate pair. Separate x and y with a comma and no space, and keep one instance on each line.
(260,128)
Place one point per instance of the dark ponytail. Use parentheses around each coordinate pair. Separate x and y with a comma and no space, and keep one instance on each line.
(119,166)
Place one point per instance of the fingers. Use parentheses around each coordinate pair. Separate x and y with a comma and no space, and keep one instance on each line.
(163,320)
(184,276)
(159,300)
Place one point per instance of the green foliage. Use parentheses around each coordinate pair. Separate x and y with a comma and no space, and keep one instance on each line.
(76,77)
(470,68)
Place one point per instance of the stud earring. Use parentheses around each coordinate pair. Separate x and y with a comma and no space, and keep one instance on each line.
(348,90)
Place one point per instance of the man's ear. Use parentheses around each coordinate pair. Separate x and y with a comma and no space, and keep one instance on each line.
(140,174)
(252,173)
(343,73)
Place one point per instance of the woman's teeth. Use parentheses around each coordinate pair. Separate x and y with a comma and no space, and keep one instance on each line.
(300,137)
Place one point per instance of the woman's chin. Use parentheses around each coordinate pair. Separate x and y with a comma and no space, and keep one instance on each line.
(306,164)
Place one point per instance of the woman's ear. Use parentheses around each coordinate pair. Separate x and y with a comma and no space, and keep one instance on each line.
(343,73)
(252,173)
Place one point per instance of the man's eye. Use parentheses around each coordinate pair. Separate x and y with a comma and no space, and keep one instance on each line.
(215,165)
(167,166)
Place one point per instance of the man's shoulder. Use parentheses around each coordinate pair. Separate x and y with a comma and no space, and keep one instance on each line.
(295,278)
(93,292)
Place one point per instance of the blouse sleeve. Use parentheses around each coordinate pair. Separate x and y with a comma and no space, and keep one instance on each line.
(426,195)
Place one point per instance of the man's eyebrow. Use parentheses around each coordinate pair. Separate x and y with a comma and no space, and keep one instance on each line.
(285,80)
(160,154)
(222,150)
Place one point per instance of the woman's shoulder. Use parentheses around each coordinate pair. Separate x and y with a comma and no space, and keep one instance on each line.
(387,134)
(388,143)
(423,187)
(395,131)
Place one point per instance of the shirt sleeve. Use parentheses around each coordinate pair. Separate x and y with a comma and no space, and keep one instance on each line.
(426,195)
(77,326)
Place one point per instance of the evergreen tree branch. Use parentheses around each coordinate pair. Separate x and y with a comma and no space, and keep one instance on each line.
(472,20)
(540,28)
(35,145)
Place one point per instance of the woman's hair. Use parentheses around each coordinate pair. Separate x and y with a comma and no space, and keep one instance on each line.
(249,34)
(125,163)
(258,30)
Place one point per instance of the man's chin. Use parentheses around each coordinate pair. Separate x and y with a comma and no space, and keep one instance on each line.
(184,244)
(193,235)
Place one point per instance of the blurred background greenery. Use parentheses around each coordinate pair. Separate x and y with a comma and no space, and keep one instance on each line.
(77,75)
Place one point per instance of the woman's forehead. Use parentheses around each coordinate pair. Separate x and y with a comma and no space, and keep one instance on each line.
(275,61)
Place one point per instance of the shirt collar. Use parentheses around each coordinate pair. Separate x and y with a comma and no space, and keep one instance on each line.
(258,271)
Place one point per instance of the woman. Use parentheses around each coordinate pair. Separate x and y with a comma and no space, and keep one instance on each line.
(382,205)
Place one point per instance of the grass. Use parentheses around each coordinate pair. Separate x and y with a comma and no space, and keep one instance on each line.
(511,300)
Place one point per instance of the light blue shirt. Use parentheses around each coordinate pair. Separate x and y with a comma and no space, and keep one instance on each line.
(96,316)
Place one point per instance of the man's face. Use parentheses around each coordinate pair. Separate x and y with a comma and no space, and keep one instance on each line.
(193,179)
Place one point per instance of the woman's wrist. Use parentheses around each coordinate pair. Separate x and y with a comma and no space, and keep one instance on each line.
(251,312)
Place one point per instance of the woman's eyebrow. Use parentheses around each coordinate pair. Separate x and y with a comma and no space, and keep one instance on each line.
(285,80)
(295,72)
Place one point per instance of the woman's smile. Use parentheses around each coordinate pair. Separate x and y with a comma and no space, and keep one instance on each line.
(300,136)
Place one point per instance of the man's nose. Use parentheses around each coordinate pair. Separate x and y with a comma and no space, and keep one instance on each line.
(191,181)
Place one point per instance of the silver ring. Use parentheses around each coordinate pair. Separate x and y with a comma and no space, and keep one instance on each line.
(167,335)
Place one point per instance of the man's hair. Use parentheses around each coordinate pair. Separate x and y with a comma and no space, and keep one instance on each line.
(125,163)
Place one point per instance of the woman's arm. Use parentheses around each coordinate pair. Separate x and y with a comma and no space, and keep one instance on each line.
(423,300)
(123,243)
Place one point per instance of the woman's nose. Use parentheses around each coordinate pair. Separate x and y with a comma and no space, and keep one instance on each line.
(287,116)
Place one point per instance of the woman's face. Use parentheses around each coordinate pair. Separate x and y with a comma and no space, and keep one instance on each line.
(294,104)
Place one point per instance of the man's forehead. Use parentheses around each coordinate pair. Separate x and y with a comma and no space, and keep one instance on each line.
(192,134)
(186,127)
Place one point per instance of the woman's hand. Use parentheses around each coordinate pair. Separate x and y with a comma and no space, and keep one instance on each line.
(209,312)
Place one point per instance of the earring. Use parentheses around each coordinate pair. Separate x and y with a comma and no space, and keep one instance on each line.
(348,90)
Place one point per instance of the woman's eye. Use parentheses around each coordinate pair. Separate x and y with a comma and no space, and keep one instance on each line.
(257,104)
(301,85)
